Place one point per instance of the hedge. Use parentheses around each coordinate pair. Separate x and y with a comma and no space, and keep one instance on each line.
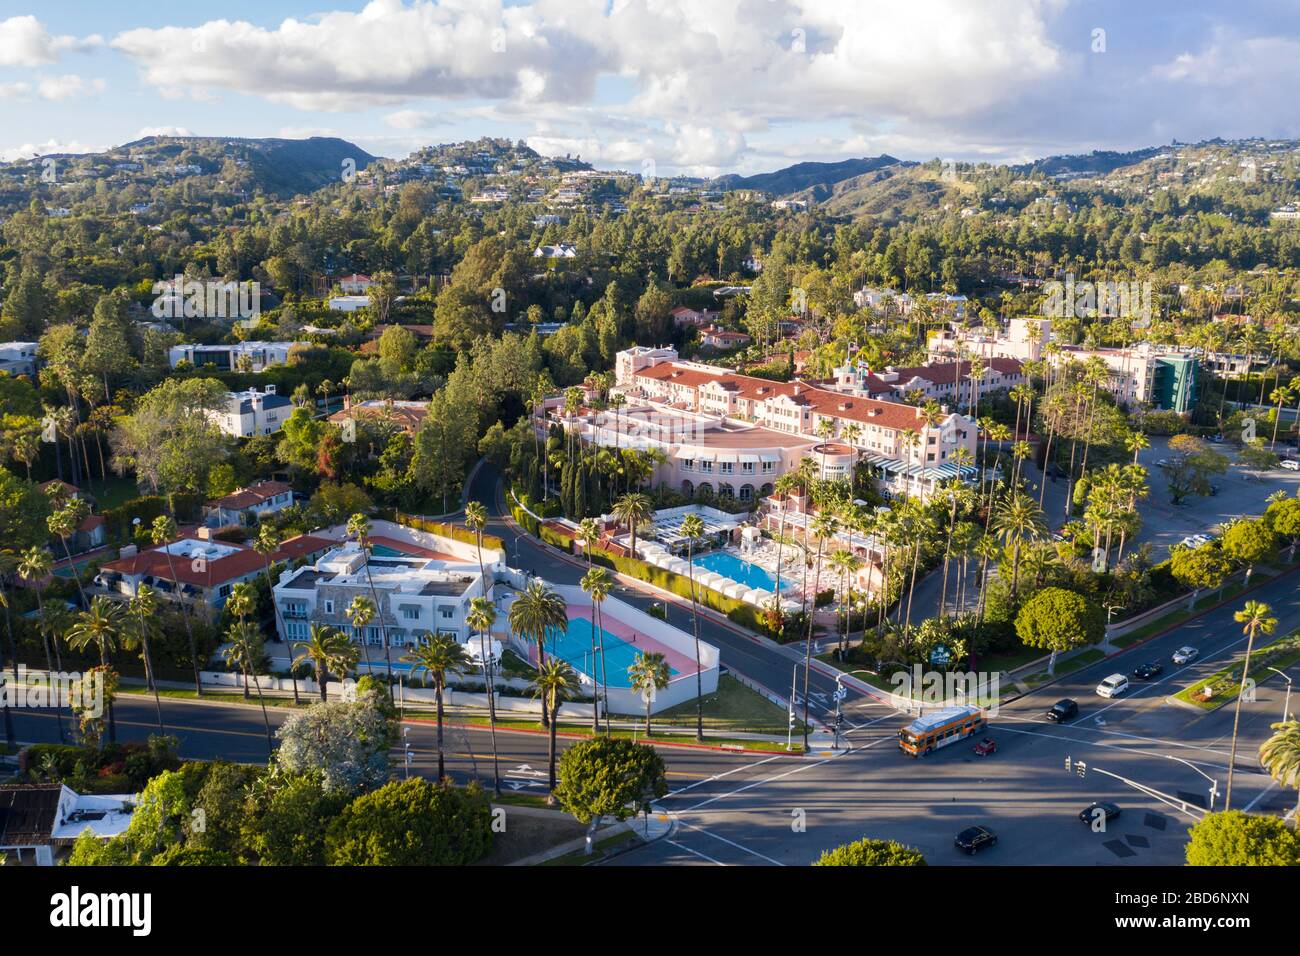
(452,531)
(746,615)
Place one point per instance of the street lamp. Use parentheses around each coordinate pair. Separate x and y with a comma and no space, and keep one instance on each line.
(1286,705)
(1214,784)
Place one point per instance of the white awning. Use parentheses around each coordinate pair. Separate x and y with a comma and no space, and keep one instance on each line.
(726,456)
(749,458)
(769,456)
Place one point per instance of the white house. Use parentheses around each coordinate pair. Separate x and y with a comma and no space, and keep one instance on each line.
(349,303)
(18,358)
(252,412)
(256,355)
(563,251)
(355,284)
(249,505)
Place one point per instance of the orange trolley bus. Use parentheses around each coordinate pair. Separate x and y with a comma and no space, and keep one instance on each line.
(938,729)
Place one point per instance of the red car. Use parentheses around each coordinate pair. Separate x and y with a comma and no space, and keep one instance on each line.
(985,747)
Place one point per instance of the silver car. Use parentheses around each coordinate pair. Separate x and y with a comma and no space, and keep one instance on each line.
(1185,655)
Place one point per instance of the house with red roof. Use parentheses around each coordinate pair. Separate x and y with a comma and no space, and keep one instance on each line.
(247,506)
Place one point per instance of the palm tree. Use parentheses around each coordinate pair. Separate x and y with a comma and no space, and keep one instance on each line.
(244,649)
(844,563)
(633,509)
(1018,519)
(1280,756)
(533,614)
(99,626)
(359,528)
(161,532)
(266,544)
(598,583)
(693,530)
(35,566)
(439,656)
(63,524)
(555,681)
(359,614)
(1136,442)
(589,535)
(240,604)
(144,608)
(648,674)
(824,526)
(328,651)
(1279,397)
(1255,618)
(482,615)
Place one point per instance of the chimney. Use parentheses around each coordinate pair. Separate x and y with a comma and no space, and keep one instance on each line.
(347,401)
(203,533)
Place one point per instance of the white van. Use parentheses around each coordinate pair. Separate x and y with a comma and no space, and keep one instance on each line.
(1112,686)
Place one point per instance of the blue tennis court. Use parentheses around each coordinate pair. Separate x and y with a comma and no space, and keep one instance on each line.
(574,647)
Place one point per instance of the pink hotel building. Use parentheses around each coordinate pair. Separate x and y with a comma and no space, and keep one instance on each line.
(738,434)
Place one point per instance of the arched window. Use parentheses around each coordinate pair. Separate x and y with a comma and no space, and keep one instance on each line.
(746,492)
(726,491)
(767,490)
(688,489)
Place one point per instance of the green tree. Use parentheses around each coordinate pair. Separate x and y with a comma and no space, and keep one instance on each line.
(1249,541)
(412,823)
(1280,756)
(554,682)
(1201,569)
(609,777)
(1255,618)
(1233,838)
(1058,620)
(328,651)
(648,674)
(286,825)
(868,852)
(533,615)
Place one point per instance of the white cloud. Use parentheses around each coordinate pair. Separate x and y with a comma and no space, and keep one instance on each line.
(411,119)
(67,86)
(11,154)
(24,41)
(146,131)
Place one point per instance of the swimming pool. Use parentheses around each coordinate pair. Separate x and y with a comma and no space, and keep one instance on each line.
(384,551)
(574,646)
(739,570)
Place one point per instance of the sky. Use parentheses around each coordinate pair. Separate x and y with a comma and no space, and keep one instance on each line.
(698,87)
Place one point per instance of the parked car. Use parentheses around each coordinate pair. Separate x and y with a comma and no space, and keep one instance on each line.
(1148,670)
(1112,686)
(1185,655)
(1093,810)
(1062,710)
(985,747)
(1290,464)
(973,839)
(1195,541)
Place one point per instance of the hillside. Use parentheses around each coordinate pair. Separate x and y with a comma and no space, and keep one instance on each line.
(803,176)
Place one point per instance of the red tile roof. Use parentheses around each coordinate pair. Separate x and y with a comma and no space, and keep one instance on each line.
(250,496)
(244,561)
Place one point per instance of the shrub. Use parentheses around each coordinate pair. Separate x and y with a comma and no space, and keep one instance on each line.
(412,823)
(868,852)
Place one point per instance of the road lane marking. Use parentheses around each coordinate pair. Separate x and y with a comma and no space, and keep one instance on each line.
(757,783)
(719,776)
(702,856)
(730,842)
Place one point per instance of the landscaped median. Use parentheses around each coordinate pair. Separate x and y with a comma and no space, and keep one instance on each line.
(1222,686)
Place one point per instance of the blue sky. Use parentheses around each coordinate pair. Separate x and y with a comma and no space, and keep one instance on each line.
(701,86)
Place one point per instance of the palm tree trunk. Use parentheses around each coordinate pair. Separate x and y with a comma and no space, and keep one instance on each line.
(1236,718)
(321,677)
(550,755)
(442,774)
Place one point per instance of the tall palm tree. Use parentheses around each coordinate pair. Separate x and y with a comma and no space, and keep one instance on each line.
(1019,519)
(693,530)
(824,526)
(533,614)
(598,583)
(438,657)
(633,509)
(35,567)
(244,649)
(482,615)
(554,681)
(144,609)
(648,673)
(589,535)
(1255,618)
(99,626)
(161,533)
(329,651)
(844,563)
(1135,442)
(240,604)
(359,528)
(359,614)
(1279,396)
(63,523)
(1280,756)
(266,544)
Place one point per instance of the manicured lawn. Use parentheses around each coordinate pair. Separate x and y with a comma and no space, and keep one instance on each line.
(111,493)
(1204,602)
(733,707)
(512,665)
(1009,660)
(1067,666)
(1225,684)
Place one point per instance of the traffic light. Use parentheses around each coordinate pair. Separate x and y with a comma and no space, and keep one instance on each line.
(1081,768)
(1068,766)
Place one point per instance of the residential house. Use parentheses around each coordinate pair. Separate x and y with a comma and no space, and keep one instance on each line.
(251,412)
(248,506)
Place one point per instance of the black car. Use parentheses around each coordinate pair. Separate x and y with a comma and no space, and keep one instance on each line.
(1093,810)
(1148,670)
(973,839)
(1062,710)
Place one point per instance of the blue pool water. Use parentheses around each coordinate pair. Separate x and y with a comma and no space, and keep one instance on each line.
(574,646)
(740,571)
(384,551)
